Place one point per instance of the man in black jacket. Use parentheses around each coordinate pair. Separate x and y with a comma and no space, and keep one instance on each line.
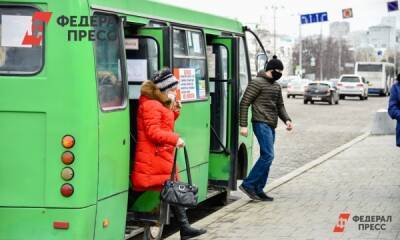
(264,94)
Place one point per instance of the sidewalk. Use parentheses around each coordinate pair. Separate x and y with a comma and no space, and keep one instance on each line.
(363,180)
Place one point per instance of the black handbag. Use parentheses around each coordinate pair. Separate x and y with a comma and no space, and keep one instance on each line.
(180,193)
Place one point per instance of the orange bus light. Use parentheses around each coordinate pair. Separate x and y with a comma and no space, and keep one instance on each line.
(68,141)
(67,157)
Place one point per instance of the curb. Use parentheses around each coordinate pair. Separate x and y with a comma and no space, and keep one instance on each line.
(275,184)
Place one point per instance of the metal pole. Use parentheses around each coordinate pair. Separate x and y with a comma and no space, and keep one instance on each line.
(320,57)
(340,54)
(274,8)
(300,52)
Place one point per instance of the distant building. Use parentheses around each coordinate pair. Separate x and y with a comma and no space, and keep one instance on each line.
(339,29)
(358,39)
(389,21)
(382,36)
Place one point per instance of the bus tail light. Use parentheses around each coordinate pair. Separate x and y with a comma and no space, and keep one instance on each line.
(67,190)
(67,157)
(67,173)
(68,141)
(61,225)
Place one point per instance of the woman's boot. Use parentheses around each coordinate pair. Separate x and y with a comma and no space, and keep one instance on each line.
(186,230)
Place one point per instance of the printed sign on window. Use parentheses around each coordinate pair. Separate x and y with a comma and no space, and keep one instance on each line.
(187,83)
(137,70)
(13,29)
(202,89)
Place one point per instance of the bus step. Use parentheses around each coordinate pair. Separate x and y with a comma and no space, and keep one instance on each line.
(132,231)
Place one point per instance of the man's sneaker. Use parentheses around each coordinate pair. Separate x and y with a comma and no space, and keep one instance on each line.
(250,193)
(264,197)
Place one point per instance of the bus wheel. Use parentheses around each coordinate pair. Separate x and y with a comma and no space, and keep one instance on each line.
(153,232)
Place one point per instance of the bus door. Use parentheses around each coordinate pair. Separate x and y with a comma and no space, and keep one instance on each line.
(147,50)
(223,58)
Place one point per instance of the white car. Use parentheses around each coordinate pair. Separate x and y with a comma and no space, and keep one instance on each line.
(353,86)
(297,87)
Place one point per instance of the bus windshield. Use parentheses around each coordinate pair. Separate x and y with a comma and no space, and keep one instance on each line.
(369,67)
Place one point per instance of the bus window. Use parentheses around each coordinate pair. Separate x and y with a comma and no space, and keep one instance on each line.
(15,58)
(109,64)
(145,56)
(369,67)
(243,68)
(190,64)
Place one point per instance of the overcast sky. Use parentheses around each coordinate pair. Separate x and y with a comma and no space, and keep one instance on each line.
(366,12)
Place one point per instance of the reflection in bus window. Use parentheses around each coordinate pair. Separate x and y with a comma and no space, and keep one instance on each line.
(243,68)
(16,58)
(108,65)
(180,47)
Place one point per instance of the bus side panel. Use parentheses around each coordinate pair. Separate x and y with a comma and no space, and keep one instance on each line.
(71,106)
(248,142)
(219,167)
(111,216)
(22,172)
(200,179)
(37,223)
(195,131)
(113,153)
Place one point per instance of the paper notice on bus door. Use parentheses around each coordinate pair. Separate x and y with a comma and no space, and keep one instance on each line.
(187,83)
(137,70)
(13,30)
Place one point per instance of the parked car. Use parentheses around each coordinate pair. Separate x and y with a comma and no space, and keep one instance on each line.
(353,86)
(297,87)
(284,81)
(322,91)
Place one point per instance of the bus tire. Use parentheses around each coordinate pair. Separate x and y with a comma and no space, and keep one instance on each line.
(153,232)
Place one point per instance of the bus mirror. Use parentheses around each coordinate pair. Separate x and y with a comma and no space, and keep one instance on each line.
(261,59)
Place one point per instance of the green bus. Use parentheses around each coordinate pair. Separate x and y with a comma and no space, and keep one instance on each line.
(68,100)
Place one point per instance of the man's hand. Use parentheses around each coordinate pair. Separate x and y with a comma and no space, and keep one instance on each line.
(289,125)
(244,131)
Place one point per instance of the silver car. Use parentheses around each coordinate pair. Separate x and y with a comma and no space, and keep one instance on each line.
(297,88)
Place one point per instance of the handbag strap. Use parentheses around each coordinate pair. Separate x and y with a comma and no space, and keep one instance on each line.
(189,175)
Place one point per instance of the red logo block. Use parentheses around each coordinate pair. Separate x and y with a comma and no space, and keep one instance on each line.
(343,219)
(35,40)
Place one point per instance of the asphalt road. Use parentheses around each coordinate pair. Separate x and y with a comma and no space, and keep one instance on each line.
(318,129)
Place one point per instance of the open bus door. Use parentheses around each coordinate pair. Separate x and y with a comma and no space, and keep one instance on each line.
(227,163)
(224,92)
(147,51)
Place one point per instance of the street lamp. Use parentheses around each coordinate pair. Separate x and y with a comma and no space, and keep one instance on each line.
(274,8)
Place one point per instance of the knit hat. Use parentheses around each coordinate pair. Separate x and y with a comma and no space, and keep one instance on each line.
(274,63)
(165,80)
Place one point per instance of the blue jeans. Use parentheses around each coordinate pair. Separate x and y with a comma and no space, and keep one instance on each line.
(258,176)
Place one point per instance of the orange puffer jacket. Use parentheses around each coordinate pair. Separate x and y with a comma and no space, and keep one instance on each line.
(156,140)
